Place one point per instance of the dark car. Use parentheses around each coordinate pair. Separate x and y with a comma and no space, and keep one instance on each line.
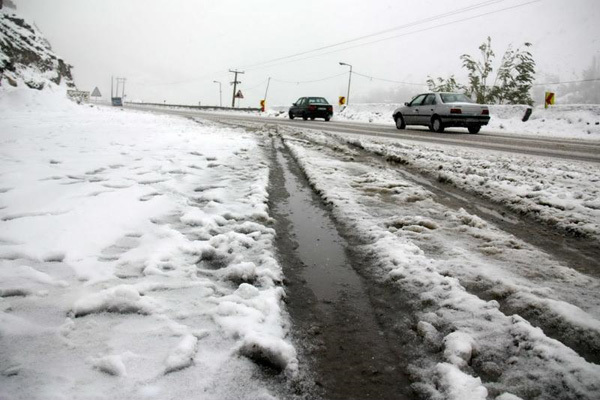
(311,107)
(442,110)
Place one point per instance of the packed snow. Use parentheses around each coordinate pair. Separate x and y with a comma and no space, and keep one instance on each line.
(136,257)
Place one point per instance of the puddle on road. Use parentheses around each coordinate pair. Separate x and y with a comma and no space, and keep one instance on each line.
(343,337)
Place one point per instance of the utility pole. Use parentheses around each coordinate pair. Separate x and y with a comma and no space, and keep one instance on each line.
(234,83)
(267,90)
(123,93)
(220,94)
(121,80)
(349,80)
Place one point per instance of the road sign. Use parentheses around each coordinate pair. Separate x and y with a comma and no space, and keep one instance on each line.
(96,92)
(239,95)
(342,100)
(549,96)
(262,105)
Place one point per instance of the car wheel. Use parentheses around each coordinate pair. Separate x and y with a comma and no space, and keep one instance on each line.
(304,117)
(327,118)
(312,118)
(437,125)
(291,115)
(400,122)
(474,128)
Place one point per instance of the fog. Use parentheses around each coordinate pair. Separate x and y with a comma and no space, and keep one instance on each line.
(174,50)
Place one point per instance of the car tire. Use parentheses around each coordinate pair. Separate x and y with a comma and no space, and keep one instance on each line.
(291,115)
(304,117)
(312,118)
(436,125)
(400,122)
(474,128)
(327,118)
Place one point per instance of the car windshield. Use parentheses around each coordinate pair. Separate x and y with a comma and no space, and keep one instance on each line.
(455,98)
(317,100)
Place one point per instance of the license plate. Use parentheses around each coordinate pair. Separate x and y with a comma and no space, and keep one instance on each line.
(322,108)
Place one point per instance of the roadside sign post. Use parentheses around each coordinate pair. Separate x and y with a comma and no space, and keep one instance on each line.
(262,105)
(549,99)
(238,95)
(96,93)
(342,100)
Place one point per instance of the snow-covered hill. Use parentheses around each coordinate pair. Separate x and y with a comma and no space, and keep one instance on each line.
(26,57)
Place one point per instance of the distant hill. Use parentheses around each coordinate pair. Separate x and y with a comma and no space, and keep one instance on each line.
(26,57)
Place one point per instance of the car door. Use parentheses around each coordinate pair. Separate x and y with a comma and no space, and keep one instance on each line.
(296,107)
(426,109)
(411,116)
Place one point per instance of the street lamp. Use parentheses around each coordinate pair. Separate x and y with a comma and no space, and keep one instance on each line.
(220,95)
(349,80)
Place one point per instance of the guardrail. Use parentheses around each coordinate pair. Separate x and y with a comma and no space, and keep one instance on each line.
(193,107)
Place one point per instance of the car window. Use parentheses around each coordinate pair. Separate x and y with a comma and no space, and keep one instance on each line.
(317,100)
(429,100)
(418,100)
(455,98)
(299,101)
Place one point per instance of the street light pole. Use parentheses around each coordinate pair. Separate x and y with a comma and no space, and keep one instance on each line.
(267,90)
(220,94)
(349,81)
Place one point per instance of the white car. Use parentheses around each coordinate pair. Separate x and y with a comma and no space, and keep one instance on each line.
(442,110)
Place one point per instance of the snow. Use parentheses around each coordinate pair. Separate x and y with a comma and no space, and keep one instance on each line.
(136,256)
(466,276)
(560,193)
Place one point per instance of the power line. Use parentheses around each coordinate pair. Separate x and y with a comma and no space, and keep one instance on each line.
(312,81)
(558,83)
(400,27)
(388,80)
(415,23)
(404,34)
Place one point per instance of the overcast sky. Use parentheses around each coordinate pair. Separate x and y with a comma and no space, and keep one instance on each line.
(174,50)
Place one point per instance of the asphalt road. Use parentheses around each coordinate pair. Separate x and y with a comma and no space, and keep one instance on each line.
(569,149)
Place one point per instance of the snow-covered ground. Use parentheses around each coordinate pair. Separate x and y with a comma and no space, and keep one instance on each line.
(136,257)
(478,289)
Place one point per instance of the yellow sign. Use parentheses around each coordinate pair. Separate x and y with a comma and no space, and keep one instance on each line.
(549,99)
(342,100)
(262,105)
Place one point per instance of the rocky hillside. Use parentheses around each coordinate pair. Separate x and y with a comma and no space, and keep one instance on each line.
(26,56)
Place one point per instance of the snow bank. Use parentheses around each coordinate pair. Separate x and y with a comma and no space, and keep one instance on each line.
(559,193)
(135,256)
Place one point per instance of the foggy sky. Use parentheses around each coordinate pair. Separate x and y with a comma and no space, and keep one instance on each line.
(174,50)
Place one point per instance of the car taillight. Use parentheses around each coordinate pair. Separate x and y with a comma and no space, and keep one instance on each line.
(311,108)
(455,111)
(329,108)
(485,112)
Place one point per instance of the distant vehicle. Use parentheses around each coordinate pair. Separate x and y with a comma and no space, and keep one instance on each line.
(311,107)
(442,110)
(117,101)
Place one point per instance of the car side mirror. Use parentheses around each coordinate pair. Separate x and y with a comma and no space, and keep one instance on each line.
(406,104)
(294,104)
